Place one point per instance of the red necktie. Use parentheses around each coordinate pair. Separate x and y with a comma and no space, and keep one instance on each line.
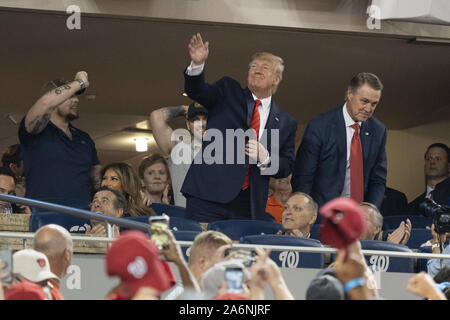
(254,124)
(356,167)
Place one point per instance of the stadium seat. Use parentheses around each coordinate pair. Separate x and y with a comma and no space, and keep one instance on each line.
(172,211)
(392,222)
(286,258)
(175,223)
(185,236)
(315,232)
(236,229)
(422,263)
(72,223)
(418,237)
(385,263)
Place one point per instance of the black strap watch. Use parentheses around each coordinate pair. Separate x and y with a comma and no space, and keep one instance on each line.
(82,84)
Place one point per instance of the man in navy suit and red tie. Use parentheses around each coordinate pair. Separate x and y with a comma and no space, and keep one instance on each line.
(251,137)
(342,153)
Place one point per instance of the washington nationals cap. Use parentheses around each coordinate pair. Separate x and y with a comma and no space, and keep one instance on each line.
(134,258)
(343,222)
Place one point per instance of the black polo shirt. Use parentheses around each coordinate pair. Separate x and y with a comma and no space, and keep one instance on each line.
(58,169)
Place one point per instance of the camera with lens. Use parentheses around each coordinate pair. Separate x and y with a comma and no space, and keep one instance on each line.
(440,214)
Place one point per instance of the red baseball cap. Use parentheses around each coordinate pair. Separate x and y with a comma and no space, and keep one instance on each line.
(344,222)
(231,296)
(25,290)
(134,258)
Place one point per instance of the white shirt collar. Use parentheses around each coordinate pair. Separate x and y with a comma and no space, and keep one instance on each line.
(348,120)
(265,102)
(429,189)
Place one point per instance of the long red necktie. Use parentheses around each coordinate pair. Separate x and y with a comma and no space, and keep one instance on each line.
(356,167)
(254,124)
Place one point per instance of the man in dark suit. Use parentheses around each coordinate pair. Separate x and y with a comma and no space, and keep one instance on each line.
(394,203)
(436,169)
(342,153)
(229,179)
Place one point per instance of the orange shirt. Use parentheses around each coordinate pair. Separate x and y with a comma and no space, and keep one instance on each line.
(275,208)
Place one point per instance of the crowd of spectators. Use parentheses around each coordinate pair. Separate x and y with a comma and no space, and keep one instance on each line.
(73,176)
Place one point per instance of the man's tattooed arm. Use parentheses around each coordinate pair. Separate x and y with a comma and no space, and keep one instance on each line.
(39,115)
(39,123)
(162,132)
(169,113)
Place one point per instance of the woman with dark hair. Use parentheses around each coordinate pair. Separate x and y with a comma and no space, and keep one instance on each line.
(155,177)
(120,176)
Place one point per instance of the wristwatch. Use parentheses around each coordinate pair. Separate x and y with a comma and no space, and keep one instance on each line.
(82,84)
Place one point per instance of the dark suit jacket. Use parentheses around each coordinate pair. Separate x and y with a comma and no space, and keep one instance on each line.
(394,203)
(321,159)
(441,195)
(231,107)
(413,206)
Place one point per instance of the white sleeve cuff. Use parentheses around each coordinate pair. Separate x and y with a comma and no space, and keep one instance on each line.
(263,165)
(194,70)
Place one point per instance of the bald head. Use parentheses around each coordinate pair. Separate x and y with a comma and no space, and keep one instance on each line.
(374,221)
(56,243)
(52,239)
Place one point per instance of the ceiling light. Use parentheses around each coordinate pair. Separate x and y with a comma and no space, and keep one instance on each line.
(141,144)
(432,40)
(184,94)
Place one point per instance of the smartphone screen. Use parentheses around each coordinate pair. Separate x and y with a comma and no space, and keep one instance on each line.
(247,257)
(159,234)
(233,278)
(6,256)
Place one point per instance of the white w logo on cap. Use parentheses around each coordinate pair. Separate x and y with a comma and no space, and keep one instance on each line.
(137,268)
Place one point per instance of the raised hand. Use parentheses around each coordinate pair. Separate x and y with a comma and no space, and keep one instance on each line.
(398,234)
(423,285)
(145,198)
(173,253)
(97,230)
(198,50)
(256,151)
(82,75)
(407,234)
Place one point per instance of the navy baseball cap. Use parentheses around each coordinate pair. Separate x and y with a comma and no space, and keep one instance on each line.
(194,109)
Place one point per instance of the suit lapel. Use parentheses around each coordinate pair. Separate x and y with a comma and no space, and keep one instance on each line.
(273,122)
(250,105)
(365,136)
(341,139)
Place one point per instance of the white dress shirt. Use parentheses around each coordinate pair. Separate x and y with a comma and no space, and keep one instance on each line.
(349,131)
(429,190)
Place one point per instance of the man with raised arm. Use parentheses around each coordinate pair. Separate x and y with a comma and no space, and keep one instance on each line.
(179,154)
(59,159)
(248,139)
